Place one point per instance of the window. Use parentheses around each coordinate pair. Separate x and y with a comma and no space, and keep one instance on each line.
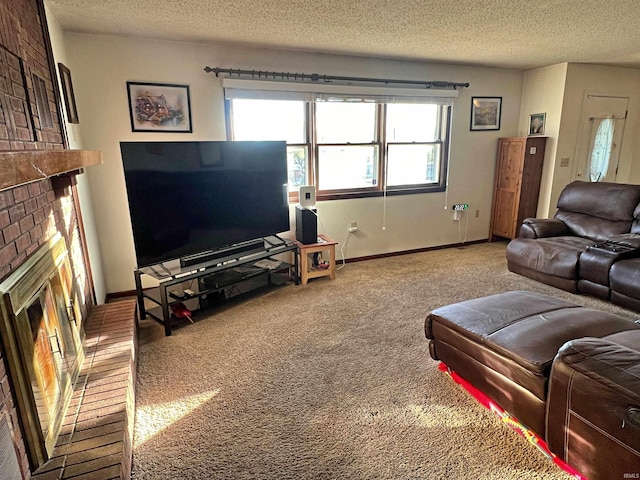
(347,147)
(601,150)
(276,120)
(351,148)
(413,144)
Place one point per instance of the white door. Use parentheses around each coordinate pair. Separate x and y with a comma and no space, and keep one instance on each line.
(600,139)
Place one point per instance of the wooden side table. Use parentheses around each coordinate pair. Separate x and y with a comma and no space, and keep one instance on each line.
(307,268)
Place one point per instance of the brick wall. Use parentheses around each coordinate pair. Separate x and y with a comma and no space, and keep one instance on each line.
(23,58)
(30,214)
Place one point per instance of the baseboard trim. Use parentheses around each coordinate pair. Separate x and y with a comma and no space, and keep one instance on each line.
(117,295)
(409,252)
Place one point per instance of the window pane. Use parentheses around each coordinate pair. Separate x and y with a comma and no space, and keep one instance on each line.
(268,120)
(413,164)
(345,122)
(297,161)
(344,167)
(412,122)
(601,150)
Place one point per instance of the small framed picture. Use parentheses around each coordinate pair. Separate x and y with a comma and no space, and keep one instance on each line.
(67,93)
(159,107)
(486,113)
(536,123)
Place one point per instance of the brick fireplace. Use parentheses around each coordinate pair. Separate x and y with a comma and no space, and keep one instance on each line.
(36,205)
(30,216)
(42,332)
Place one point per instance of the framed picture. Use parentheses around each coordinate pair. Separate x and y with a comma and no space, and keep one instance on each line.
(486,113)
(159,107)
(67,93)
(536,123)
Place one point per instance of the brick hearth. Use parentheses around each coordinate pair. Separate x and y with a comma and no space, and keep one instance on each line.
(97,435)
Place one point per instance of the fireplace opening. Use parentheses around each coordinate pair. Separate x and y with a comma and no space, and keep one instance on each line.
(42,339)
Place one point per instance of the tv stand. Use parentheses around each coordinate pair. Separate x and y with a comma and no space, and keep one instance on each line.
(219,272)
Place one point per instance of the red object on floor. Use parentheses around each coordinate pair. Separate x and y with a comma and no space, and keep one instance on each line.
(511,421)
(180,310)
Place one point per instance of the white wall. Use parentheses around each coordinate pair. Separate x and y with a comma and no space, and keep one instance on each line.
(101,66)
(599,80)
(75,142)
(543,92)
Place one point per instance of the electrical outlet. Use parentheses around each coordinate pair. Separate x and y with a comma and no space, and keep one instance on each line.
(353,227)
(460,207)
(477,213)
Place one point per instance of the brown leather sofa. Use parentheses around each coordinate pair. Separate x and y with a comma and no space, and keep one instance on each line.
(596,226)
(569,373)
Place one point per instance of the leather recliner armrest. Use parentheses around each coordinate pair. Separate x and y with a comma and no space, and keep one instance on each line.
(593,408)
(542,227)
(631,240)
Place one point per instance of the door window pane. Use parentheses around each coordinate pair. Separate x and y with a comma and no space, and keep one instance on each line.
(345,122)
(347,166)
(268,120)
(601,151)
(412,122)
(413,164)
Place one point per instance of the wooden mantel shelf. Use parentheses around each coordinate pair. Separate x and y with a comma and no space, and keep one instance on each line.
(20,167)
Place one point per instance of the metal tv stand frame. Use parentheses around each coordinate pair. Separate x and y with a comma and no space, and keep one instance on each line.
(174,273)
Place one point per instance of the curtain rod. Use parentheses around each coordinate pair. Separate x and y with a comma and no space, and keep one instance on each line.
(315,77)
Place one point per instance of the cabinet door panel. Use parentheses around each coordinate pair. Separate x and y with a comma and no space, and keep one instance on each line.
(507,187)
(517,184)
(510,166)
(504,213)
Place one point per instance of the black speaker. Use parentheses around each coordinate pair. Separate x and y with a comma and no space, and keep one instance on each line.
(306,225)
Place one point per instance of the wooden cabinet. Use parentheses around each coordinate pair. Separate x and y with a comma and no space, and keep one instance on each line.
(517,184)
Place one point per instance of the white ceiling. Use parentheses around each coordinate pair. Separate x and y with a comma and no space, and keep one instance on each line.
(497,33)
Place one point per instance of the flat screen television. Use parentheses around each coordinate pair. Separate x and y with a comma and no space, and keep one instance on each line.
(191,197)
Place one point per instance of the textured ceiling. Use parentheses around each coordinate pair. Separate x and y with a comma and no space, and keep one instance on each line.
(498,33)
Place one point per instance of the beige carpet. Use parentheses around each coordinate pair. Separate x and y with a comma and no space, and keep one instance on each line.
(332,380)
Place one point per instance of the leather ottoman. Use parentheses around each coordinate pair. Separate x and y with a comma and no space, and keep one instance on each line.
(505,345)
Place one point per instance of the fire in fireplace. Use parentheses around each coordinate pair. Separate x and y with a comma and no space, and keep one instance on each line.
(42,337)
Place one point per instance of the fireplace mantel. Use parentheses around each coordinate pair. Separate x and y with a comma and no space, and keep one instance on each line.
(25,166)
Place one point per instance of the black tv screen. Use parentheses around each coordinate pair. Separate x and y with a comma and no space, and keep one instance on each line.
(191,197)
